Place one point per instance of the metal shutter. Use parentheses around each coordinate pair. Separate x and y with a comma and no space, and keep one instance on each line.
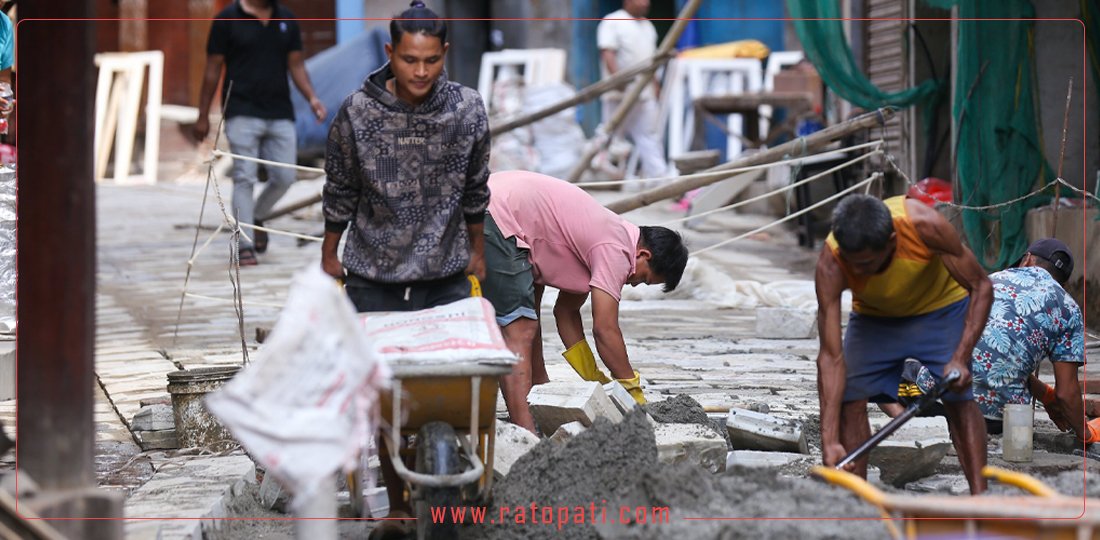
(889,67)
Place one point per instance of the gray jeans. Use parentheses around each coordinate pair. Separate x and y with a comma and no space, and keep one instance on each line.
(273,140)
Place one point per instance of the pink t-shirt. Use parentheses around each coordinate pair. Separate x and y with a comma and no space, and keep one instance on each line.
(575,242)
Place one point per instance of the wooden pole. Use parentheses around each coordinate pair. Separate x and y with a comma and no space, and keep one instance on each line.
(639,85)
(800,146)
(614,82)
(1061,160)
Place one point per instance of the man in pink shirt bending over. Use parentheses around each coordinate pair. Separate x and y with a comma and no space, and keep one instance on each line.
(541,231)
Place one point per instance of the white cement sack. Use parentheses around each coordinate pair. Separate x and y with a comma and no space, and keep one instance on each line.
(463,331)
(558,138)
(307,408)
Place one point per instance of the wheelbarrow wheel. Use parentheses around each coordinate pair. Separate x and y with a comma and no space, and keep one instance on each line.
(437,452)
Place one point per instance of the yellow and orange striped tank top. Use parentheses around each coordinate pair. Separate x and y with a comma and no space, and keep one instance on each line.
(915,282)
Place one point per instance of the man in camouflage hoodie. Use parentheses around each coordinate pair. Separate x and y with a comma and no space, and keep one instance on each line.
(407,163)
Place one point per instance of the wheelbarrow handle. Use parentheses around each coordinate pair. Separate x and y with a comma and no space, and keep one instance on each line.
(892,426)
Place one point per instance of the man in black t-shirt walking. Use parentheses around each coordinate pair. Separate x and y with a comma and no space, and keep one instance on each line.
(258,42)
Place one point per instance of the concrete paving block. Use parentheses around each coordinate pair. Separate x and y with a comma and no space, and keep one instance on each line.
(912,452)
(751,430)
(164,439)
(199,489)
(511,443)
(620,397)
(691,443)
(902,462)
(153,418)
(566,432)
(786,323)
(940,483)
(557,403)
(758,459)
(272,495)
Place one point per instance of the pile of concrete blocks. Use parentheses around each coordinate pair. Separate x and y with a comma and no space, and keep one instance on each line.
(556,403)
(912,452)
(154,426)
(786,323)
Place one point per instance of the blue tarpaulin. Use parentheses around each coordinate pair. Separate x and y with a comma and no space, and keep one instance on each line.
(335,73)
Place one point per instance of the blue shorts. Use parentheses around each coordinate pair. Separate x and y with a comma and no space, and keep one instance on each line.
(875,349)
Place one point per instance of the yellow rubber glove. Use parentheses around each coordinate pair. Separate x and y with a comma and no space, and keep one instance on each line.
(584,362)
(634,387)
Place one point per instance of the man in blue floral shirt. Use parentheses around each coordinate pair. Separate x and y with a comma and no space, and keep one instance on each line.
(1032,319)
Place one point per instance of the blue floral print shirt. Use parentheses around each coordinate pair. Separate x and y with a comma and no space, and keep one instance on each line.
(1032,318)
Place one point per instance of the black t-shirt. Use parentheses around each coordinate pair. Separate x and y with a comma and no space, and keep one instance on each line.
(255,60)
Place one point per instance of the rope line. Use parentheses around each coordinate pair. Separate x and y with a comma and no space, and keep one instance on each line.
(777,191)
(230,300)
(220,153)
(789,217)
(726,172)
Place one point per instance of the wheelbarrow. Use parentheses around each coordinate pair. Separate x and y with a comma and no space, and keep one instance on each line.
(452,411)
(1046,514)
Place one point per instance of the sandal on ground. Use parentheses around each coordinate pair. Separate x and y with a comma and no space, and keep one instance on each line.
(259,240)
(248,258)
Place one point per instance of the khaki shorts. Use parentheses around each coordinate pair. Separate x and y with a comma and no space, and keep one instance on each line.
(509,283)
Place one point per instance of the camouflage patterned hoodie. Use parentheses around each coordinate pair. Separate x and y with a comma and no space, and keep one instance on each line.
(408,178)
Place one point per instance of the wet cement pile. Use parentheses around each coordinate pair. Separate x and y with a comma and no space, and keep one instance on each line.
(682,409)
(690,492)
(591,468)
(615,466)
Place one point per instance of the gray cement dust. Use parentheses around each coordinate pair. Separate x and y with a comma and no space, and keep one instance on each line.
(683,409)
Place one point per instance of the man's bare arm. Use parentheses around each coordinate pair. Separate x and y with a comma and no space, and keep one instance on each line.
(609,337)
(944,241)
(298,74)
(829,283)
(608,58)
(210,77)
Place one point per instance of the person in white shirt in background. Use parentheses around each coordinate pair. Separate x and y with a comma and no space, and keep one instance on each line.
(625,37)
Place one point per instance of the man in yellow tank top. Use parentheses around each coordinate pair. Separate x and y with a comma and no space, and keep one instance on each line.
(917,292)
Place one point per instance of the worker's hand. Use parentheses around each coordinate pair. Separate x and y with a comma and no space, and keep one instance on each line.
(319,111)
(476,266)
(6,107)
(834,453)
(964,379)
(201,128)
(331,265)
(1058,416)
(1092,427)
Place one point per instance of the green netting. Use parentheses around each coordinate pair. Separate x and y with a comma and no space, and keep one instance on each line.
(999,157)
(825,46)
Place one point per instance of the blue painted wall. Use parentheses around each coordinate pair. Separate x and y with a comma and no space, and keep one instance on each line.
(348,9)
(708,32)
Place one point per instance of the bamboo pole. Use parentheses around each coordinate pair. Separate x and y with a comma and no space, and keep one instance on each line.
(639,85)
(614,82)
(802,145)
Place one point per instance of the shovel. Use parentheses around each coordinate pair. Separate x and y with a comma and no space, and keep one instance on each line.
(914,409)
